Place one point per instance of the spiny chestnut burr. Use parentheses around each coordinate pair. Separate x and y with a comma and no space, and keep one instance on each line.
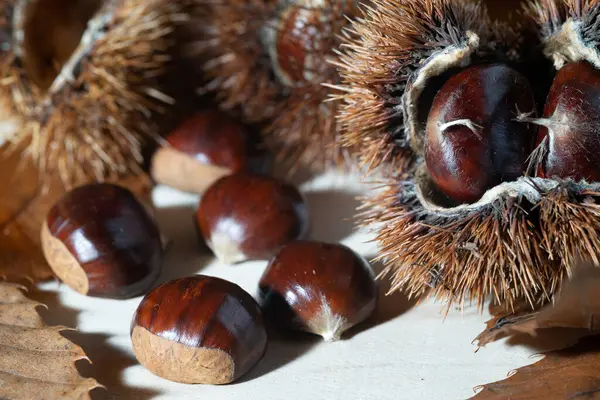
(198,330)
(568,134)
(473,139)
(320,288)
(250,217)
(204,148)
(89,97)
(101,241)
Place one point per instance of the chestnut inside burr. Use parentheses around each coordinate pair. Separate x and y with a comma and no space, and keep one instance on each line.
(474,139)
(50,32)
(568,142)
(464,122)
(296,41)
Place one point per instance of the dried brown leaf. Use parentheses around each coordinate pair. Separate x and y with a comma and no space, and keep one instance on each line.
(577,307)
(22,209)
(572,373)
(36,358)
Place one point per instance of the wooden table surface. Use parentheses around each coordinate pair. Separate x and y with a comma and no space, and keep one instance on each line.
(404,352)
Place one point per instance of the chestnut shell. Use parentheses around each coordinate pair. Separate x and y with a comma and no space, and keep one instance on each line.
(474,141)
(250,217)
(215,138)
(112,236)
(202,312)
(570,125)
(318,287)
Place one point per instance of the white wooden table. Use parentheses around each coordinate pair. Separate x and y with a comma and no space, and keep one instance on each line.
(403,353)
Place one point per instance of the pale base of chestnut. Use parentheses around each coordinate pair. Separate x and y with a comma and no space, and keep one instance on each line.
(180,171)
(226,250)
(62,262)
(179,363)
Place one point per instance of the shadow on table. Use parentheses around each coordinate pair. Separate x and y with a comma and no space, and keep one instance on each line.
(389,305)
(283,347)
(107,362)
(331,214)
(549,339)
(107,365)
(55,312)
(186,252)
(297,177)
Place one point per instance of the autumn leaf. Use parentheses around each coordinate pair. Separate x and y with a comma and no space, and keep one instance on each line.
(573,373)
(22,209)
(577,307)
(35,358)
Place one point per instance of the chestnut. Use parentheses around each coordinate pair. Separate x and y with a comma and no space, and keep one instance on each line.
(249,217)
(101,241)
(320,288)
(204,148)
(474,141)
(302,37)
(568,133)
(198,329)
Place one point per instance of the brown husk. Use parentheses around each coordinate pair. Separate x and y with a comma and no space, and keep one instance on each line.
(95,118)
(519,241)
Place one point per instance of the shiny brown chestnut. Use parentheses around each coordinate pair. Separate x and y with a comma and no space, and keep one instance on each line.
(320,288)
(101,241)
(204,148)
(568,135)
(198,329)
(474,141)
(249,217)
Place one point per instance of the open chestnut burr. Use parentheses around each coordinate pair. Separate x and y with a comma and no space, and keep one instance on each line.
(101,241)
(205,147)
(198,330)
(320,288)
(432,96)
(250,217)
(80,95)
(467,209)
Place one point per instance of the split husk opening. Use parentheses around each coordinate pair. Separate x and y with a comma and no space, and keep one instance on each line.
(519,240)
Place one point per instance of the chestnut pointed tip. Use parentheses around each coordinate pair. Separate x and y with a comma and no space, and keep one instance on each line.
(327,324)
(226,250)
(332,336)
